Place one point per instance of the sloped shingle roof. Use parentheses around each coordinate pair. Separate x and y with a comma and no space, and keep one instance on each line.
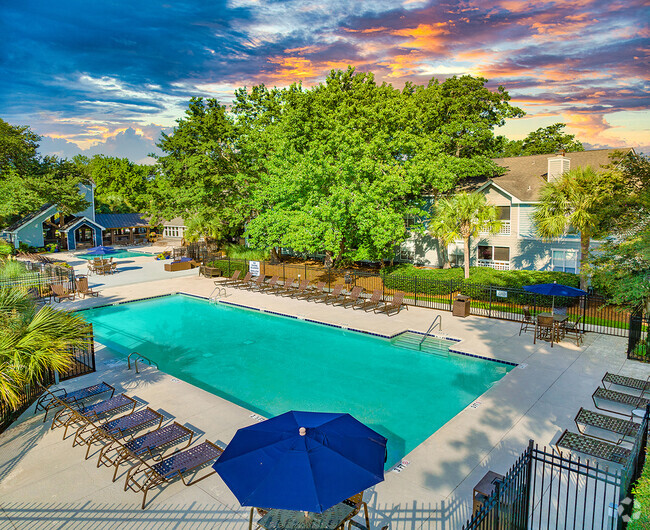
(27,218)
(121,220)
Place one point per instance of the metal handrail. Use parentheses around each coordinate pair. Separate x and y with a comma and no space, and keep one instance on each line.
(437,320)
(140,357)
(219,292)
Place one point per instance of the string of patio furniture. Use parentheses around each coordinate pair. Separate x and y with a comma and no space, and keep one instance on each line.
(292,287)
(611,437)
(156,455)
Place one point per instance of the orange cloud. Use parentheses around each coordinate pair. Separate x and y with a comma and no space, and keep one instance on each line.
(292,69)
(367,30)
(425,37)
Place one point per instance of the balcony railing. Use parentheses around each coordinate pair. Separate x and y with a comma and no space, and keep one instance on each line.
(494,264)
(504,231)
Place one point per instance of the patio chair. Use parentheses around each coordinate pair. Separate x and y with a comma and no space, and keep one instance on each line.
(296,292)
(96,412)
(61,293)
(240,283)
(395,304)
(268,286)
(144,447)
(143,477)
(287,286)
(621,427)
(255,283)
(117,429)
(528,321)
(327,296)
(74,398)
(642,385)
(370,303)
(573,328)
(83,289)
(311,292)
(593,447)
(226,281)
(352,298)
(358,503)
(612,396)
(544,329)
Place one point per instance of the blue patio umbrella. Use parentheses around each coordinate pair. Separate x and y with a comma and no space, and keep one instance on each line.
(554,289)
(100,251)
(302,461)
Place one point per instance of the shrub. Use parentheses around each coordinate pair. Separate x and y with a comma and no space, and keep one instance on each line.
(642,500)
(228,267)
(242,252)
(5,248)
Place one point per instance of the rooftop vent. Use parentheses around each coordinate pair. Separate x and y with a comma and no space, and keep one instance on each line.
(557,166)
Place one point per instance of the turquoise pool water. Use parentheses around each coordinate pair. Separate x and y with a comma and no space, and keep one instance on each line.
(271,364)
(118,254)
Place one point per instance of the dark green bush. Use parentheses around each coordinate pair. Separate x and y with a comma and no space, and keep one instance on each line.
(229,266)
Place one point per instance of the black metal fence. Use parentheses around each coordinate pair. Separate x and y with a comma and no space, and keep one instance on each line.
(506,303)
(39,275)
(638,344)
(83,362)
(544,490)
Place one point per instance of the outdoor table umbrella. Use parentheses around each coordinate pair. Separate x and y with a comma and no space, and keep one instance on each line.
(100,250)
(302,461)
(554,289)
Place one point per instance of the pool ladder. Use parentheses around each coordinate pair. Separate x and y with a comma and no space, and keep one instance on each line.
(137,357)
(217,293)
(438,321)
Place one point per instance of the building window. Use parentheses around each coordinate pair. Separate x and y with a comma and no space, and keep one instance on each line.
(564,260)
(503,215)
(494,257)
(405,254)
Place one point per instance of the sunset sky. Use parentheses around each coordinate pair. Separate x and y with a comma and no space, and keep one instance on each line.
(106,77)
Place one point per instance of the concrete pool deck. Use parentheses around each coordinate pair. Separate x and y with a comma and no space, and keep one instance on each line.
(45,483)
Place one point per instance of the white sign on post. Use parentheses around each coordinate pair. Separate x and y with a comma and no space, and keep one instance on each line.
(254,268)
(502,294)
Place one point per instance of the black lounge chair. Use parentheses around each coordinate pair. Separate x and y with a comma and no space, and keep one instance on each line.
(395,305)
(232,279)
(143,477)
(117,429)
(350,298)
(621,427)
(144,447)
(604,394)
(314,292)
(327,296)
(93,413)
(370,303)
(74,398)
(286,287)
(593,447)
(297,292)
(642,385)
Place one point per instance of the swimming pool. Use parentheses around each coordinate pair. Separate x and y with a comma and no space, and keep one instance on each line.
(271,364)
(118,254)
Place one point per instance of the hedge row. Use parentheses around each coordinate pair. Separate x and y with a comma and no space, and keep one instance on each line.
(641,515)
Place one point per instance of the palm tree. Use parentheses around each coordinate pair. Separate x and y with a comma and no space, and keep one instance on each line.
(462,216)
(574,202)
(33,341)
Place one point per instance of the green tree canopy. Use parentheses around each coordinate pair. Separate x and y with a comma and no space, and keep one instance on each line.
(545,140)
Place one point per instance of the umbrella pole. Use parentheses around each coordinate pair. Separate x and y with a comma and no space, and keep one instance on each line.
(553,306)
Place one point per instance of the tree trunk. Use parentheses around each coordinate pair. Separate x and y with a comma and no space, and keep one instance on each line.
(328,259)
(466,245)
(275,258)
(585,240)
(443,254)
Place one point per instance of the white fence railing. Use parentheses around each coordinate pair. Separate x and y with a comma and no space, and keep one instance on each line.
(494,264)
(504,231)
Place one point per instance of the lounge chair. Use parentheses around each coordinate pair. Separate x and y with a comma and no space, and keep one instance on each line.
(296,292)
(395,304)
(83,289)
(312,292)
(47,401)
(61,292)
(117,429)
(287,286)
(621,427)
(255,283)
(642,385)
(143,477)
(240,283)
(528,321)
(268,286)
(68,416)
(350,298)
(232,279)
(545,329)
(593,447)
(327,296)
(357,502)
(370,303)
(144,447)
(612,396)
(569,327)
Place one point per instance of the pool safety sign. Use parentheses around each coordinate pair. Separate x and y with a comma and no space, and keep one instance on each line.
(502,294)
(254,268)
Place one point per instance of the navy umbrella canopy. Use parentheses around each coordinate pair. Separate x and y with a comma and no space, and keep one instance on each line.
(554,289)
(100,250)
(302,461)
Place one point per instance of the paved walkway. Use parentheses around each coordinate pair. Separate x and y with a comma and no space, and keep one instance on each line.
(45,483)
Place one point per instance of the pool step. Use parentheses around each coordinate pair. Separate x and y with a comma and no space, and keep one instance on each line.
(413,341)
